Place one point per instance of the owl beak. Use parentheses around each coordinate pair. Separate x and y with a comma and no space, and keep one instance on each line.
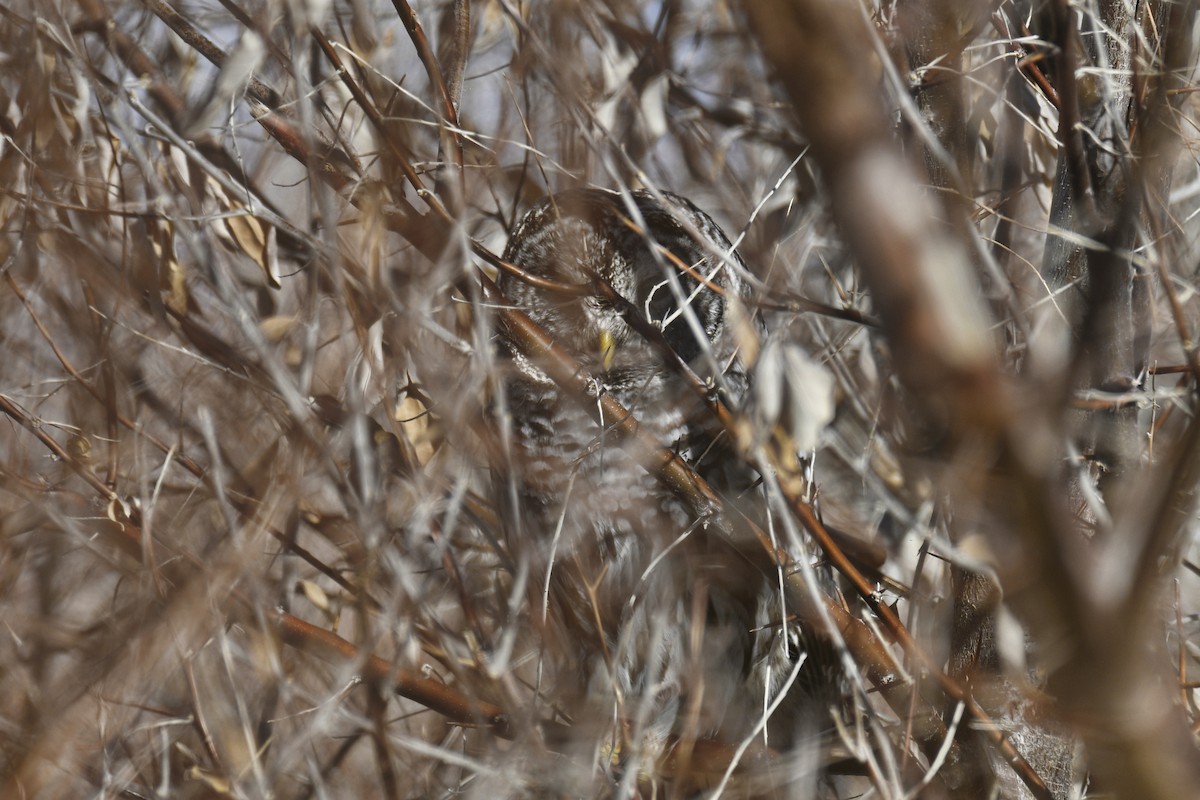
(608,349)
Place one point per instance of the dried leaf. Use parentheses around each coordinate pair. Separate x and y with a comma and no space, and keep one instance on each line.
(314,594)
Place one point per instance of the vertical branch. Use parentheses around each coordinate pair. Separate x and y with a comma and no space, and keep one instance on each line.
(455,47)
(934,33)
(450,141)
(947,363)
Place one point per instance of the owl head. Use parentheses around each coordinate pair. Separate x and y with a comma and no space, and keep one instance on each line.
(622,274)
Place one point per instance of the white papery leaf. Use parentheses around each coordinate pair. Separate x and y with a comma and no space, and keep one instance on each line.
(810,392)
(793,391)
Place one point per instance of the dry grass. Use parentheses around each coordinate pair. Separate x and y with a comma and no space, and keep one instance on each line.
(248,543)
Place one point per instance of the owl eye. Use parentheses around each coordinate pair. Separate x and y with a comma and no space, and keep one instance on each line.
(598,302)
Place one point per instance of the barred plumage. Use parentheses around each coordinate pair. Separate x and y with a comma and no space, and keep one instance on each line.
(644,611)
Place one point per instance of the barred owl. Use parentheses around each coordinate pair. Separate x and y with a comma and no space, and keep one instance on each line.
(642,611)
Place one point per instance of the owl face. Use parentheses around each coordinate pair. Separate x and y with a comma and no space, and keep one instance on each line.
(616,275)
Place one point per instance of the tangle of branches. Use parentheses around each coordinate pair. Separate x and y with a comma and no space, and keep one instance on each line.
(254,350)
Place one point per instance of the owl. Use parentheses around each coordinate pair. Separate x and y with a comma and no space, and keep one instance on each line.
(645,616)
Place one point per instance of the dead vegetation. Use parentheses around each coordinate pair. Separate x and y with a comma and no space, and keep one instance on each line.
(249,329)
